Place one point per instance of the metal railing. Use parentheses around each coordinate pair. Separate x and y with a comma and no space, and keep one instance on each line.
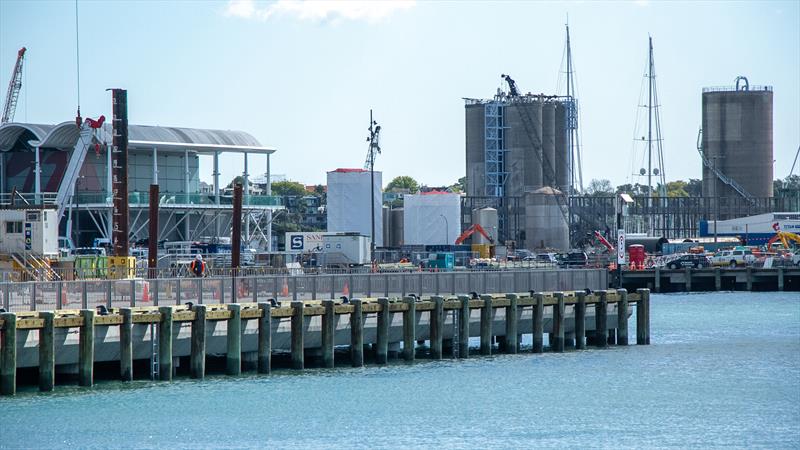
(50,295)
(139,198)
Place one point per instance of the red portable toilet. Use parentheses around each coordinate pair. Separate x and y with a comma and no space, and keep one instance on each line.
(636,256)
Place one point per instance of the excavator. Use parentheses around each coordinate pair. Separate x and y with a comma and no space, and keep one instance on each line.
(785,237)
(485,250)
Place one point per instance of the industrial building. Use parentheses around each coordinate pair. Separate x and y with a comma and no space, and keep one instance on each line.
(350,192)
(736,142)
(518,161)
(60,168)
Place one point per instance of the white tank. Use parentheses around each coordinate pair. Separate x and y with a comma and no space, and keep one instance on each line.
(486,218)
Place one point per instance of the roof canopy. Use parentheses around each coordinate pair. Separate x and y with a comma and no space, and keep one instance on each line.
(64,136)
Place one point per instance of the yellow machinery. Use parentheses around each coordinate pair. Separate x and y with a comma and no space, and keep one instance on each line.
(105,267)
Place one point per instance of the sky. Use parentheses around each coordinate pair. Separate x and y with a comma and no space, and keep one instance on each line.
(303,76)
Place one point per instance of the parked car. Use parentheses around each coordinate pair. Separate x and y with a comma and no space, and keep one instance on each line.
(692,260)
(574,259)
(519,254)
(733,258)
(546,258)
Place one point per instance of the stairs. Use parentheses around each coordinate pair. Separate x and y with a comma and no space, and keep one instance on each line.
(34,267)
(74,167)
(722,177)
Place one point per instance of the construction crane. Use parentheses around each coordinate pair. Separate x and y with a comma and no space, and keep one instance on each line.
(513,91)
(14,87)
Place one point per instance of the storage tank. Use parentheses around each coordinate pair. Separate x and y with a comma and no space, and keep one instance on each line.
(486,218)
(549,144)
(524,143)
(386,226)
(398,233)
(737,139)
(562,152)
(475,127)
(546,225)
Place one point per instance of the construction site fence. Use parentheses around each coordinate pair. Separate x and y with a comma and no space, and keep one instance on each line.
(81,294)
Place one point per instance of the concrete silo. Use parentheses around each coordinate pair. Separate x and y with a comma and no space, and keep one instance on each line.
(737,140)
(524,141)
(475,125)
(546,225)
(562,149)
(549,144)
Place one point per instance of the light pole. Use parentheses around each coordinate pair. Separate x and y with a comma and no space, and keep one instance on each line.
(446,229)
(374,148)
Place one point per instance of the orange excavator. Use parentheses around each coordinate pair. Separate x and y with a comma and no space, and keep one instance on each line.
(784,236)
(476,228)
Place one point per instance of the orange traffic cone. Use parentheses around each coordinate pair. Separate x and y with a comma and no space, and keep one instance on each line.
(346,289)
(146,292)
(285,289)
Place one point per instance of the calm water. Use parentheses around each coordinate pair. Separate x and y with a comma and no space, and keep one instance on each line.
(723,370)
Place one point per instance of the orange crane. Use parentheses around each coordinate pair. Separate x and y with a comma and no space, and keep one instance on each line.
(14,87)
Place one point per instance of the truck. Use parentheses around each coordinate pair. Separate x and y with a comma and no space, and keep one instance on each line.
(346,250)
(733,258)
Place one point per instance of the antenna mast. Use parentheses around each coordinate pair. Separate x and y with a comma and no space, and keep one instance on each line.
(573,134)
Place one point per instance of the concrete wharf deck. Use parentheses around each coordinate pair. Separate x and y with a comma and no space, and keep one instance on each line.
(713,279)
(247,334)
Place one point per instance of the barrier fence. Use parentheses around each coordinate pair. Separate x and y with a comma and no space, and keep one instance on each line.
(50,295)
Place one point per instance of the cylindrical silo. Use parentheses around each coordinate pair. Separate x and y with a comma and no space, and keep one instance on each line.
(476,170)
(487,219)
(549,144)
(562,152)
(546,225)
(524,142)
(737,140)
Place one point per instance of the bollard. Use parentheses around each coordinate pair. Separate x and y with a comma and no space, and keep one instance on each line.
(298,357)
(126,345)
(600,320)
(641,328)
(622,317)
(409,328)
(749,274)
(538,323)
(233,356)
(165,344)
(86,349)
(580,320)
(265,338)
(8,355)
(780,279)
(687,279)
(437,327)
(557,345)
(646,295)
(717,279)
(463,327)
(512,335)
(47,358)
(486,325)
(198,355)
(657,282)
(328,333)
(382,348)
(357,334)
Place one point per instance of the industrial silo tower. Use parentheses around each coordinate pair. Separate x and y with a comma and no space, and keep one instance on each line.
(736,141)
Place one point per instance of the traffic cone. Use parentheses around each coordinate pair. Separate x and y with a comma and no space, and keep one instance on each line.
(285,289)
(146,292)
(346,289)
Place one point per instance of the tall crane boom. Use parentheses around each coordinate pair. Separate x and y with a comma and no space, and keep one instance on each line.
(14,87)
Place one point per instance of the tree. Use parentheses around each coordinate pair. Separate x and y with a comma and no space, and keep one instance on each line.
(790,183)
(403,182)
(677,189)
(288,188)
(632,189)
(694,187)
(600,188)
(238,179)
(459,186)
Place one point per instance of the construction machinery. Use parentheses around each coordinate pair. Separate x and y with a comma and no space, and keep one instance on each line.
(484,250)
(785,237)
(14,86)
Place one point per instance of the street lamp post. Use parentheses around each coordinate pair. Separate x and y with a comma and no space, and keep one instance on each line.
(374,148)
(446,229)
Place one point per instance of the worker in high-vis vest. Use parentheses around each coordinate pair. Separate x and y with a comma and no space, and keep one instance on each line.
(198,266)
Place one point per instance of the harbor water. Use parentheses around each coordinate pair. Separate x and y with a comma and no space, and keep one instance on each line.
(723,369)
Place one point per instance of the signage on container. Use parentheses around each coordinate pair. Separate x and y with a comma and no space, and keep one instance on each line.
(620,246)
(28,234)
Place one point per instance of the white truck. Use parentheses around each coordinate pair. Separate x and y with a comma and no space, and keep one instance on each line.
(733,258)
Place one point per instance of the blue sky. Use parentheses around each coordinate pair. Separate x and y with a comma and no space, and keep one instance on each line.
(303,76)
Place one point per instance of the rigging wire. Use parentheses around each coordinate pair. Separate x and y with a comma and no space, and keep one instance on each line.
(78,61)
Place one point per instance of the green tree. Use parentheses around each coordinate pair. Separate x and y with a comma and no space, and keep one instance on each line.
(599,188)
(288,188)
(236,180)
(632,189)
(790,183)
(677,188)
(459,186)
(694,187)
(403,182)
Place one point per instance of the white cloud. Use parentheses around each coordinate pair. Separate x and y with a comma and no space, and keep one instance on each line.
(318,10)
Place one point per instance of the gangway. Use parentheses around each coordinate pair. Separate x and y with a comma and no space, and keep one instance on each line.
(90,132)
(722,177)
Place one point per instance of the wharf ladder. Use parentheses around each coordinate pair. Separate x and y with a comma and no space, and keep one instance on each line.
(722,177)
(153,352)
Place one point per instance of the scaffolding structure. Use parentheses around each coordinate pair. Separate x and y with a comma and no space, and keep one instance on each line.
(494,148)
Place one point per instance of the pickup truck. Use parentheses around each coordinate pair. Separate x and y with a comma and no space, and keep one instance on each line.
(733,258)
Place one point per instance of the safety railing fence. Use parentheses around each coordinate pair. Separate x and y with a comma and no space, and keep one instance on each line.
(78,294)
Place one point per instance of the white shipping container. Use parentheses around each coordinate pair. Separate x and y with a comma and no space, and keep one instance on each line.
(304,242)
(346,249)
